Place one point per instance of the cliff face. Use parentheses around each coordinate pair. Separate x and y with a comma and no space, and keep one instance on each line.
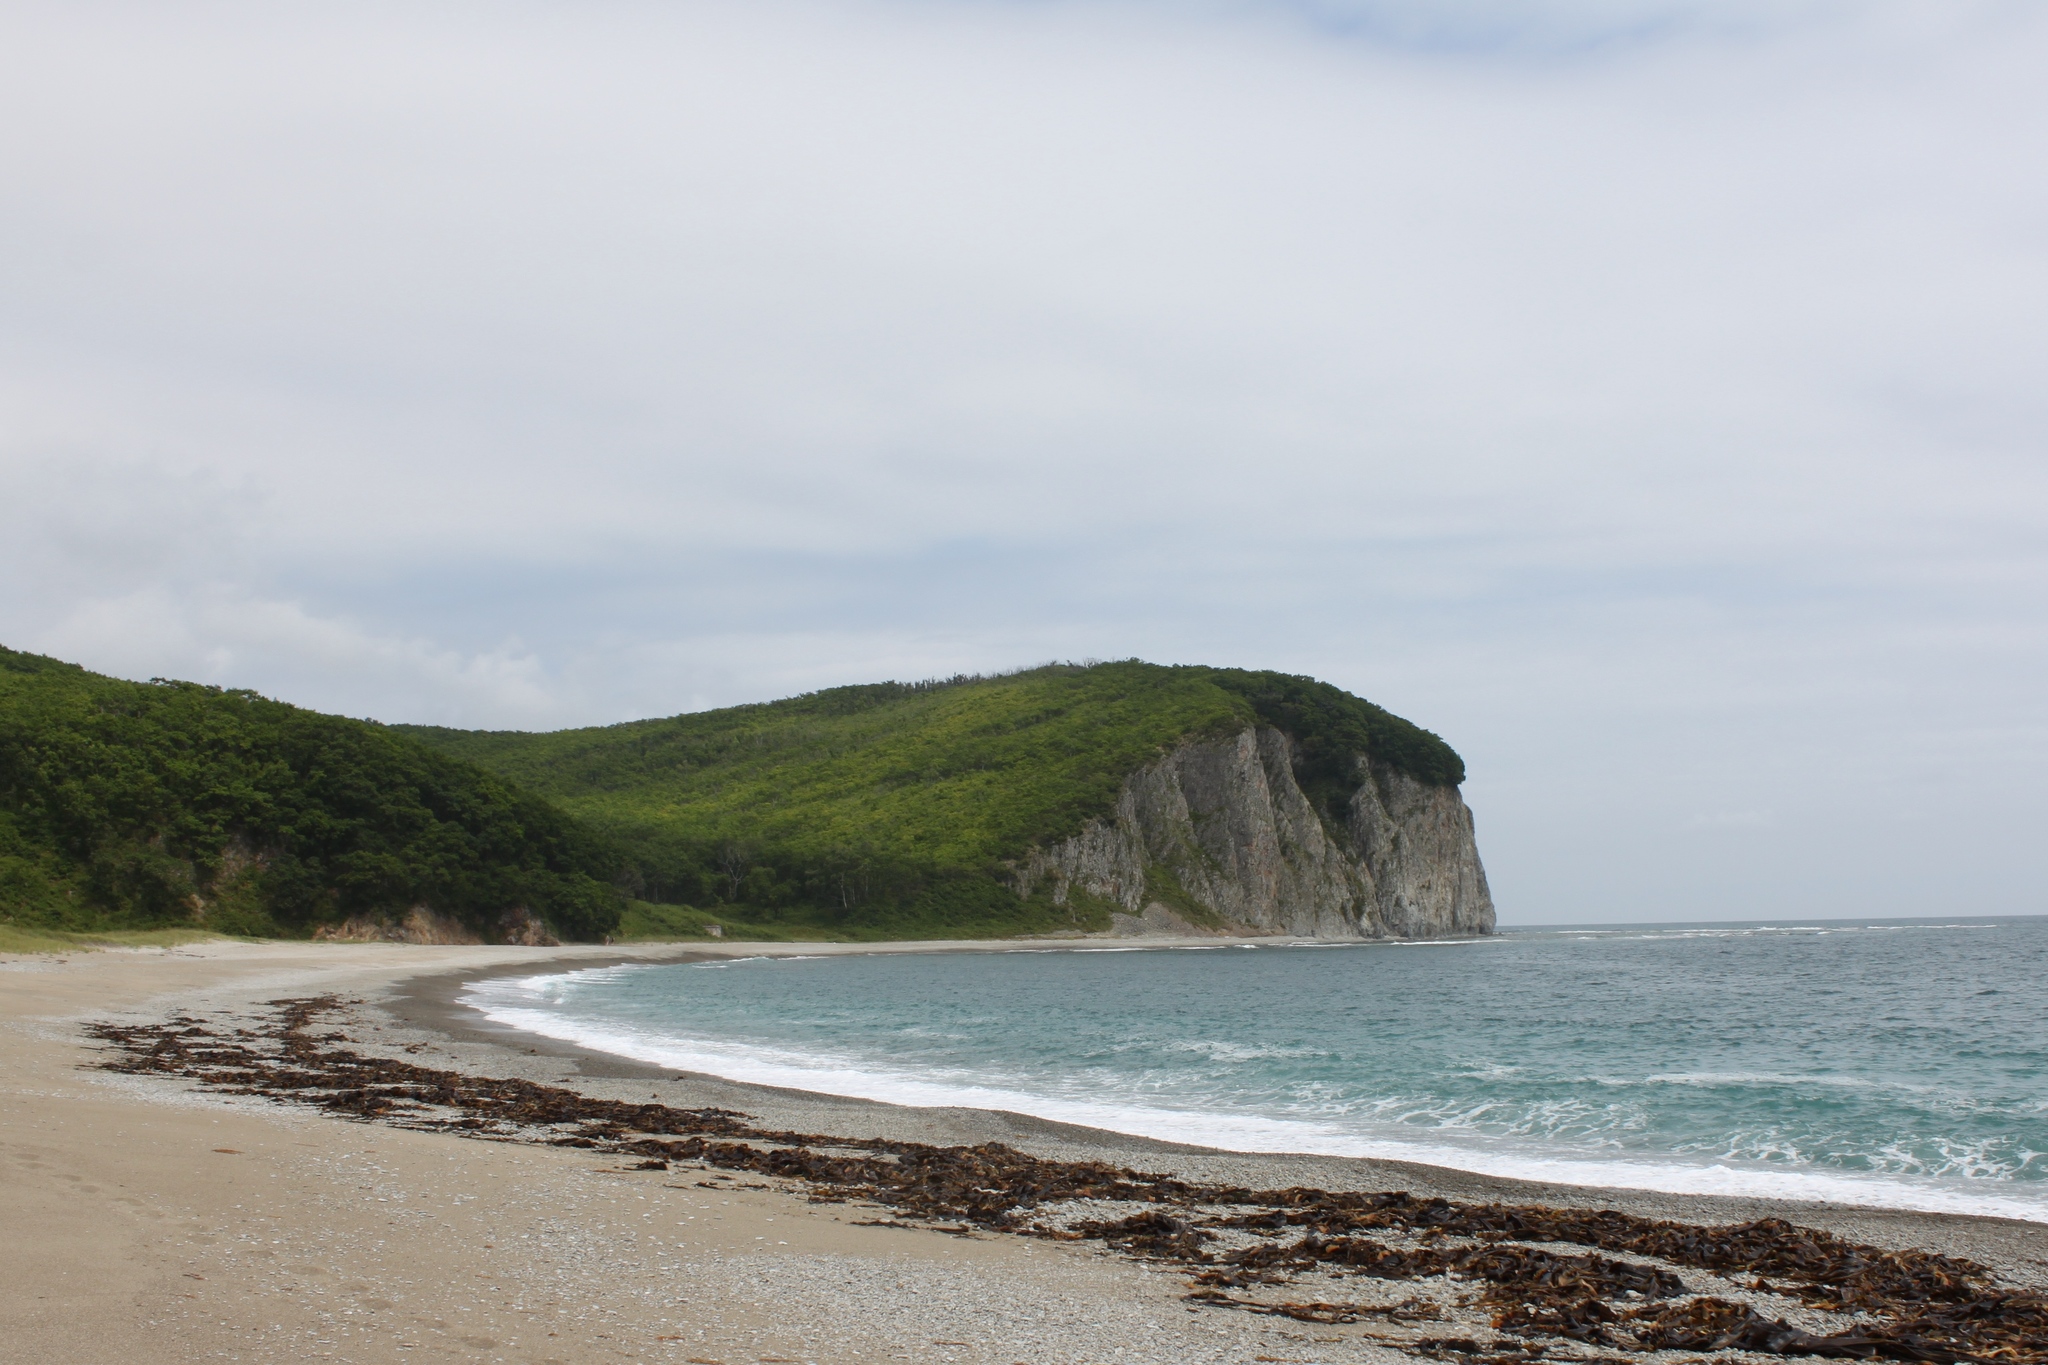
(1218,835)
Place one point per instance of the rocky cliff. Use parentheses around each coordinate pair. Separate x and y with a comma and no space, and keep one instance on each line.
(1219,836)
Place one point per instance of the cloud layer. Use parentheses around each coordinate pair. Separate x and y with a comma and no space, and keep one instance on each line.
(1644,397)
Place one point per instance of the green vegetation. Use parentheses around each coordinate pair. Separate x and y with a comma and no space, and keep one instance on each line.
(14,939)
(1331,728)
(647,923)
(882,811)
(136,805)
(888,810)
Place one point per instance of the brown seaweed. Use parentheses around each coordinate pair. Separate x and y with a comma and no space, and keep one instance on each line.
(1916,1305)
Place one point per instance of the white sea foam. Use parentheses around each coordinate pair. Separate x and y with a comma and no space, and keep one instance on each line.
(533,1004)
(1635,933)
(1222,1050)
(1717,1079)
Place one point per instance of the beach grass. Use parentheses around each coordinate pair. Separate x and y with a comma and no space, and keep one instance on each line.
(645,922)
(16,938)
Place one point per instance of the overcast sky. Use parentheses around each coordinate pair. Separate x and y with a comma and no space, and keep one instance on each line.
(1651,398)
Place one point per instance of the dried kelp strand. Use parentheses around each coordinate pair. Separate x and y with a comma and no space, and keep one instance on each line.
(1916,1305)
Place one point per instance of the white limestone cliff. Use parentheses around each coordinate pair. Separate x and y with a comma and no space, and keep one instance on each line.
(1217,836)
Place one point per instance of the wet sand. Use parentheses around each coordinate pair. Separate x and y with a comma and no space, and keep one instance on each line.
(137,1216)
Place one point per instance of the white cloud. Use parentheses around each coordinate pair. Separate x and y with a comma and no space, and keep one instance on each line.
(224,638)
(1645,396)
(1730,819)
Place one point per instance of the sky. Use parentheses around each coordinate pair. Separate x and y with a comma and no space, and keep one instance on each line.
(1647,397)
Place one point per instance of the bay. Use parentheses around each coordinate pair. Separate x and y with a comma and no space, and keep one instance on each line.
(1896,1063)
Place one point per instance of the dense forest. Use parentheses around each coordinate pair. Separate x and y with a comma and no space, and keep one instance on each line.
(889,810)
(133,805)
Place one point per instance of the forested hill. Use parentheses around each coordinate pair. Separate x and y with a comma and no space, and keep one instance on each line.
(882,811)
(891,809)
(131,805)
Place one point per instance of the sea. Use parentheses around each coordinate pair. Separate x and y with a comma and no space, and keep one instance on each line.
(1897,1063)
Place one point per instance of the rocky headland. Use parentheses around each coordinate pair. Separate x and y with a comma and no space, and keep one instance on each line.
(1219,836)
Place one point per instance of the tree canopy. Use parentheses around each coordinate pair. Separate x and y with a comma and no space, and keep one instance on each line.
(126,805)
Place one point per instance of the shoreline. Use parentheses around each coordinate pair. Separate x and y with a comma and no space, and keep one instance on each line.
(433,1003)
(144,1215)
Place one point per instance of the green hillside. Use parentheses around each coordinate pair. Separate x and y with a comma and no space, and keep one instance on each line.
(877,811)
(134,805)
(886,810)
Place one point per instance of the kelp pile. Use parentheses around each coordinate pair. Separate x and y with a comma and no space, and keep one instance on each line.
(1495,1263)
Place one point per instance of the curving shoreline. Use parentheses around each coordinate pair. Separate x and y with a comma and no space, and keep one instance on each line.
(990,1066)
(433,1003)
(409,995)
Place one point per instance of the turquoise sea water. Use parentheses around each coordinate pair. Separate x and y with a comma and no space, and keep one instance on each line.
(1889,1062)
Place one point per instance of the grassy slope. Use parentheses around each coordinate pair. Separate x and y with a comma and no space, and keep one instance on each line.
(885,810)
(128,805)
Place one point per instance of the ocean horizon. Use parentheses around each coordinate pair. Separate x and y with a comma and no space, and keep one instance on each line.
(1898,1062)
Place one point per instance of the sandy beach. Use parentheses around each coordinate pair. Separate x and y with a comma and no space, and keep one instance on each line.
(144,1217)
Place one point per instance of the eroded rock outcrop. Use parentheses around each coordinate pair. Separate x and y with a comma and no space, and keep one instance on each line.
(421,924)
(1218,836)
